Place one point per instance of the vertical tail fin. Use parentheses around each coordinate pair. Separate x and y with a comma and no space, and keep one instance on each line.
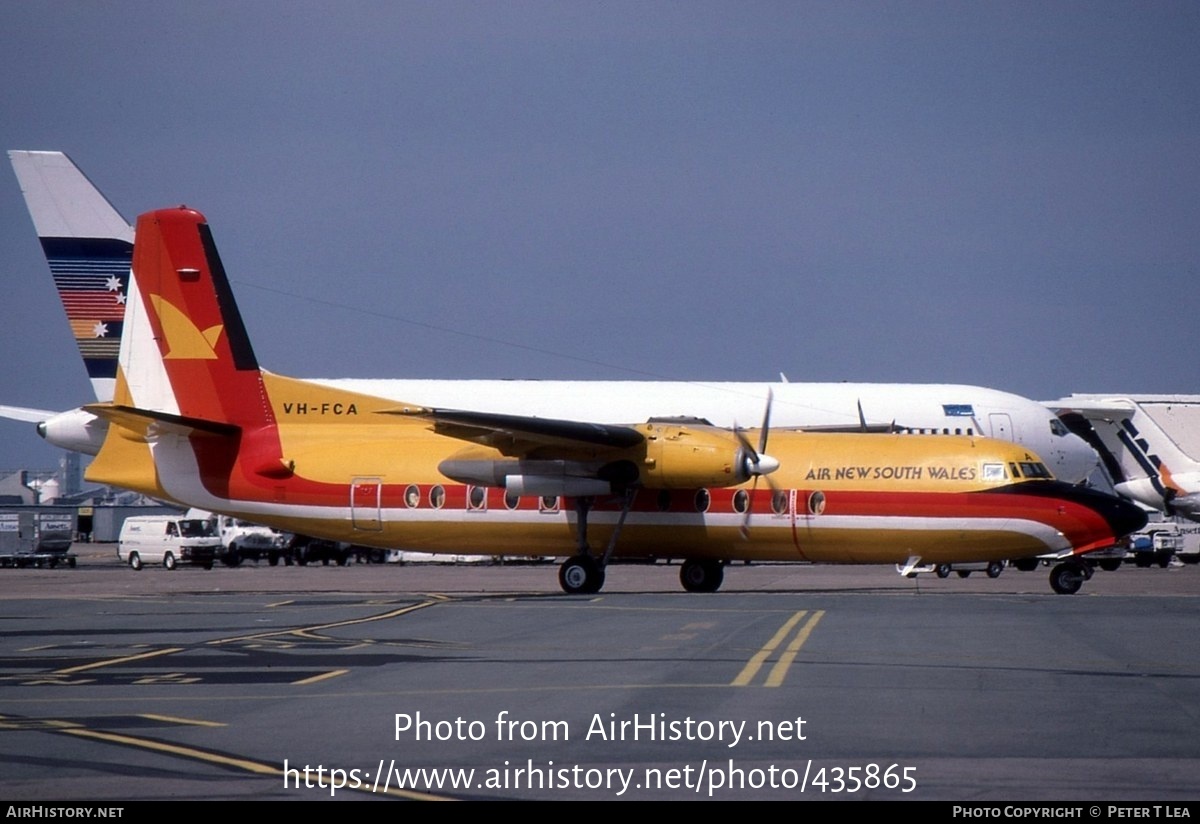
(193,418)
(192,415)
(88,246)
(186,351)
(1142,457)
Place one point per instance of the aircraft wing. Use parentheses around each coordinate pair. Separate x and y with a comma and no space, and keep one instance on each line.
(521,433)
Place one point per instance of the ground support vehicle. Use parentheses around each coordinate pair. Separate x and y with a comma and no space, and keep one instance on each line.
(21,560)
(169,540)
(1155,545)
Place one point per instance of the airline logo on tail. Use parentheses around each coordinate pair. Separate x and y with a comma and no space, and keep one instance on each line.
(184,340)
(92,284)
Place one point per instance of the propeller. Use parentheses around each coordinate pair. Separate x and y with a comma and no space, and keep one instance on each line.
(862,421)
(757,462)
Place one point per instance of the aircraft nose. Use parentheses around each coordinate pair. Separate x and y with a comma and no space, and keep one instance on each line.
(1128,518)
(1123,517)
(1076,459)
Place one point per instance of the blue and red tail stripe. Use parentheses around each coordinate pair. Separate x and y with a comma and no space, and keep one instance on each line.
(92,279)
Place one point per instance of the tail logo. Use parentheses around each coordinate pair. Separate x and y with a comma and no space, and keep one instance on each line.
(184,340)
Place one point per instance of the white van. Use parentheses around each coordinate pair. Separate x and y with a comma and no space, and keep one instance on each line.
(169,540)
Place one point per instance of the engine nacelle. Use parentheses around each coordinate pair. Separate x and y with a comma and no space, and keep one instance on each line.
(686,457)
(76,430)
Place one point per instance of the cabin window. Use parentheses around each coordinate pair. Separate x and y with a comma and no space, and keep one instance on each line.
(477,498)
(437,496)
(412,496)
(664,500)
(816,503)
(548,503)
(779,502)
(512,500)
(703,499)
(741,501)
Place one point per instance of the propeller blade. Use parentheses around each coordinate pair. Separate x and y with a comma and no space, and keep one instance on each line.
(766,424)
(762,463)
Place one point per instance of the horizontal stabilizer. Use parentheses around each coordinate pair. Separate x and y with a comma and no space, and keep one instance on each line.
(24,413)
(141,420)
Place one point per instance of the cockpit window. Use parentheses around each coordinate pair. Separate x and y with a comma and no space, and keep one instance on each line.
(1031,469)
(1058,428)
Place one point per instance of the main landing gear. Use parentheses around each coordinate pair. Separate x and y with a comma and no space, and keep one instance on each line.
(702,575)
(583,574)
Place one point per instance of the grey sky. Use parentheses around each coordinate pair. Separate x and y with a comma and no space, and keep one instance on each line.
(1005,194)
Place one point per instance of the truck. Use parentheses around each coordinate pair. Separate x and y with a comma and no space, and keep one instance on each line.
(246,541)
(1157,544)
(243,540)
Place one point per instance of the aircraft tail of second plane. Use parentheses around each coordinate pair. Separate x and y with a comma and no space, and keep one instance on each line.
(89,247)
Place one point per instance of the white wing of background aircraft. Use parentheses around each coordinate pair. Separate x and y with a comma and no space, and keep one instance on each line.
(88,246)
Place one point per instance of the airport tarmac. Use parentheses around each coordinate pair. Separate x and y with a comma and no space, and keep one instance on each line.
(797,682)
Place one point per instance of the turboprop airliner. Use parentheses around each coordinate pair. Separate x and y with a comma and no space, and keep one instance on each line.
(88,246)
(195,420)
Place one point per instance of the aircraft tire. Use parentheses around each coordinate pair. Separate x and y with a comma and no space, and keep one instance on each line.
(1066,579)
(1110,564)
(135,562)
(963,573)
(169,560)
(580,575)
(701,576)
(994,569)
(942,570)
(1026,564)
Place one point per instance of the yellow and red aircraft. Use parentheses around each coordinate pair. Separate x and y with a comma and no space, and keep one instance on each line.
(195,420)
